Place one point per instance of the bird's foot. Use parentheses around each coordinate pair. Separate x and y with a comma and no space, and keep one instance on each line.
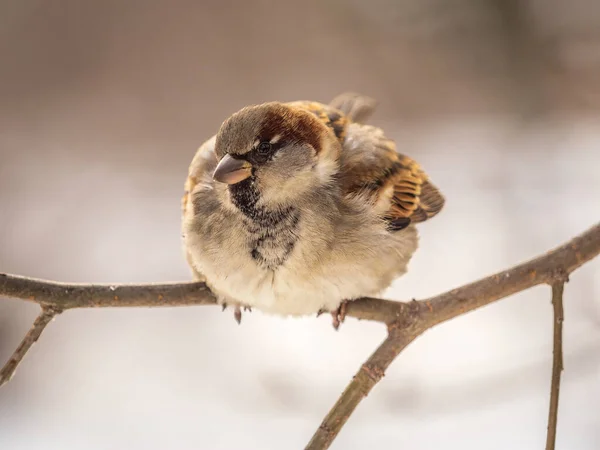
(339,315)
(237,310)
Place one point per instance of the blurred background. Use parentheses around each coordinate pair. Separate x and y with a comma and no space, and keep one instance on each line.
(102,106)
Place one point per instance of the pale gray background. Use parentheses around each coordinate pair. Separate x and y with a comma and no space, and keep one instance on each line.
(102,105)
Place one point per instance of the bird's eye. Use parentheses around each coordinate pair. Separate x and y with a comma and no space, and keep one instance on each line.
(264,148)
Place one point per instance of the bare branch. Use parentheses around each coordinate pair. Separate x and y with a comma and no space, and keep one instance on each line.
(434,310)
(557,362)
(69,296)
(405,321)
(43,319)
(370,373)
(545,269)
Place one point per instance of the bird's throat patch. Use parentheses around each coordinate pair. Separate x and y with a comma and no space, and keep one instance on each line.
(272,233)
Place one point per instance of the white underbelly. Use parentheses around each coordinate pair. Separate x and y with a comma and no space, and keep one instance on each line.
(286,292)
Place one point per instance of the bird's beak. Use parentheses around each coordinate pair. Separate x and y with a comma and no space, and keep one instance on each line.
(231,170)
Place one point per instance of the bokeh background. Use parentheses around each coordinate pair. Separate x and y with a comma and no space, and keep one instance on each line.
(102,106)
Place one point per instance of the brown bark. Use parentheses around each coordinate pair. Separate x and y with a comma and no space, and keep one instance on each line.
(405,321)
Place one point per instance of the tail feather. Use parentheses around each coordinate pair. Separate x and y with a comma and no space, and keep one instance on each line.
(358,108)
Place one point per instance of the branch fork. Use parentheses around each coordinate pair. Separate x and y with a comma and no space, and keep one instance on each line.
(404,321)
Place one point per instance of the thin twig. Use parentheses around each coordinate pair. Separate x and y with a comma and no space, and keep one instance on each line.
(370,373)
(557,362)
(41,321)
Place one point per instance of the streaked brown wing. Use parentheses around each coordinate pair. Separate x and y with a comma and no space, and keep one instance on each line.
(414,196)
(399,187)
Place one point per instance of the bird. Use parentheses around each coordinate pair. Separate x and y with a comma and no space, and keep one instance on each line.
(297,208)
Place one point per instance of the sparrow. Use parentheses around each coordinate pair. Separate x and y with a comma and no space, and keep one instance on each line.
(297,208)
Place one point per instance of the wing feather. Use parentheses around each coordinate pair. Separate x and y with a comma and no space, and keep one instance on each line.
(372,166)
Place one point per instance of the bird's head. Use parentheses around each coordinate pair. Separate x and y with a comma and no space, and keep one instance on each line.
(277,150)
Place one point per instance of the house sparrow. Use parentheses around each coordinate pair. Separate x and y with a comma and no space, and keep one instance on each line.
(296,208)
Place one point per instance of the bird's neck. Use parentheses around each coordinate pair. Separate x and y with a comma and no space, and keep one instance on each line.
(247,199)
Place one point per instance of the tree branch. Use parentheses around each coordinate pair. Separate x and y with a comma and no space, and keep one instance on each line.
(42,320)
(370,373)
(69,296)
(405,321)
(557,362)
(446,306)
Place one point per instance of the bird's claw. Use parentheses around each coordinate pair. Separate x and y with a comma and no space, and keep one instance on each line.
(237,311)
(237,314)
(339,315)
